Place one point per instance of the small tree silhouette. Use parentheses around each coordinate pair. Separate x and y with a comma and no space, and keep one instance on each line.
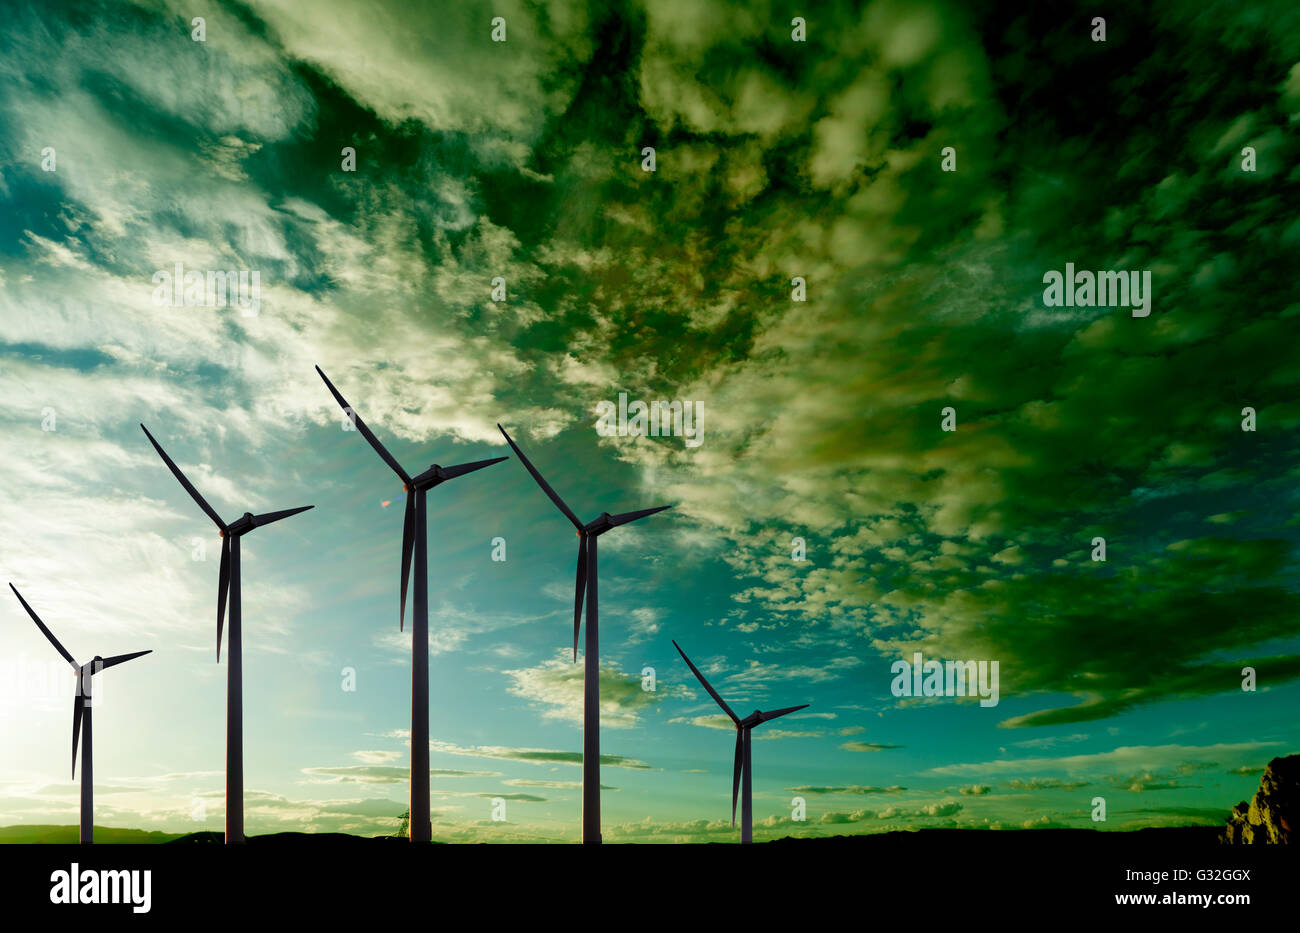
(404,827)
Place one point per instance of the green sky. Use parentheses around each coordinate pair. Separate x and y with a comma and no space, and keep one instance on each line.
(820,419)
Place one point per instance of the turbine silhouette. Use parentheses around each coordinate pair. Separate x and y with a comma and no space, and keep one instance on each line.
(415,545)
(228,582)
(82,707)
(586,583)
(743,770)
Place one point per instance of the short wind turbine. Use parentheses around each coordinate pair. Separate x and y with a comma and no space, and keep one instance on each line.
(228,583)
(415,545)
(743,768)
(82,707)
(586,584)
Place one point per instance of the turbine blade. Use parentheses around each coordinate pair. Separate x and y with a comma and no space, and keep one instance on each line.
(223,587)
(627,517)
(735,774)
(120,658)
(408,546)
(76,724)
(269,517)
(41,625)
(707,686)
(460,470)
(579,590)
(189,487)
(365,431)
(767,717)
(546,487)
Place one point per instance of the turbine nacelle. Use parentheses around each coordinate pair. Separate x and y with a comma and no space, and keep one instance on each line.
(597,527)
(430,478)
(426,480)
(437,474)
(242,525)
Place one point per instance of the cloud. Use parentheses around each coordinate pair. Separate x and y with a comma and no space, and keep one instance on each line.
(534,755)
(453,79)
(1050,741)
(1134,756)
(376,774)
(758,674)
(556,686)
(558,785)
(457,627)
(521,798)
(867,747)
(1045,784)
(376,757)
(708,721)
(361,774)
(847,789)
(942,809)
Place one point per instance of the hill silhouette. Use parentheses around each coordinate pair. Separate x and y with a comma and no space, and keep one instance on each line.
(71,835)
(218,838)
(1011,839)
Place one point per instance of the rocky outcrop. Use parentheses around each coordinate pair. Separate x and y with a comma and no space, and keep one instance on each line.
(1273,814)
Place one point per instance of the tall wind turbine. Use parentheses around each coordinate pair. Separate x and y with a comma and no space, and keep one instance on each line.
(587,535)
(228,583)
(415,543)
(743,768)
(81,712)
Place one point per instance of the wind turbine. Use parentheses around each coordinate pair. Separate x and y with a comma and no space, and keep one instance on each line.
(743,767)
(587,535)
(415,538)
(82,707)
(228,582)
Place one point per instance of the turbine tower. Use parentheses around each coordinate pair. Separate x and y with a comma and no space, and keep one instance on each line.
(586,582)
(82,707)
(743,769)
(415,538)
(228,583)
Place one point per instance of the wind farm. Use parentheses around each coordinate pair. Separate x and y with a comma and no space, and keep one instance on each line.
(1021,542)
(415,559)
(82,715)
(229,587)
